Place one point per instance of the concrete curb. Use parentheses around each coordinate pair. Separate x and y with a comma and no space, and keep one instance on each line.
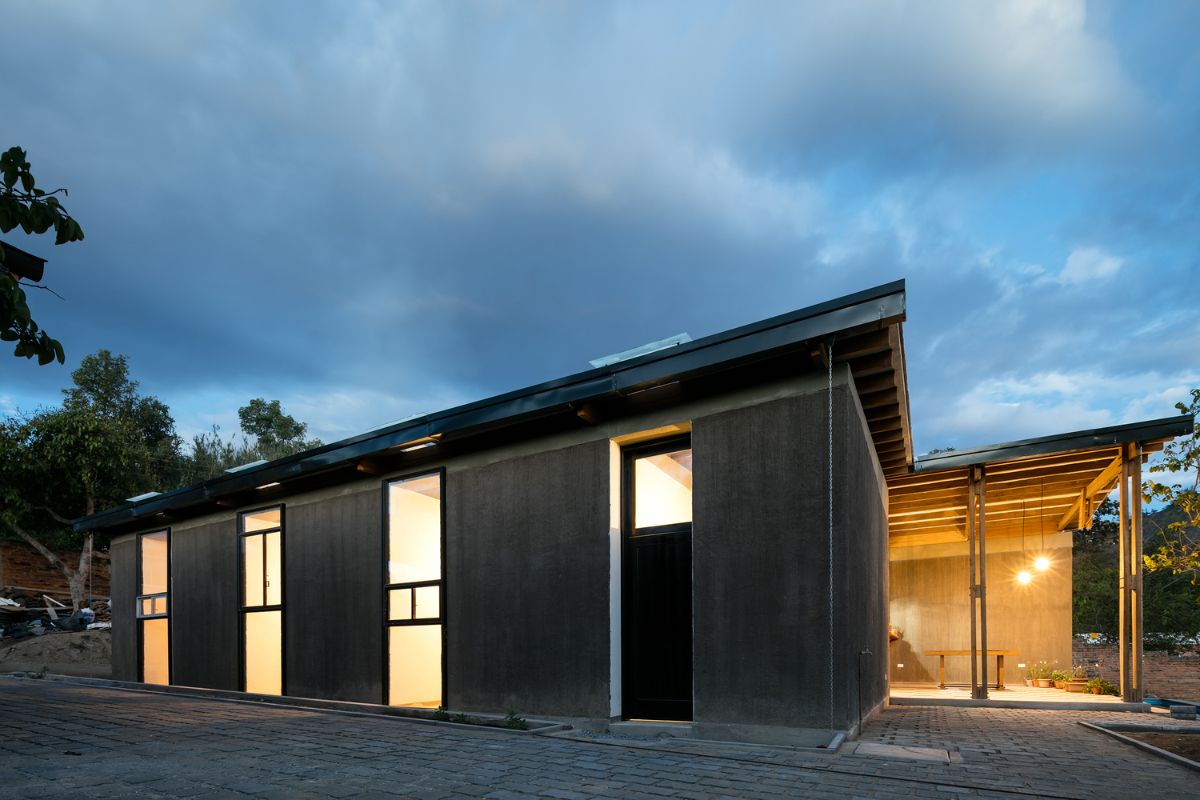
(300,703)
(1036,705)
(1149,748)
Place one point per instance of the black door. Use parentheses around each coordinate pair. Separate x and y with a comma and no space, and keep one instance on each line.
(657,582)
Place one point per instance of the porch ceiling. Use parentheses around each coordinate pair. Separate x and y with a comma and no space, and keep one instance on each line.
(1033,486)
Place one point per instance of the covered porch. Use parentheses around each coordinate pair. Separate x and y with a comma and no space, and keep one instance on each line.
(981,563)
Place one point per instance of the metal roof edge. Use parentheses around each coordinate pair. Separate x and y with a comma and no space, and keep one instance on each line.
(1147,430)
(733,345)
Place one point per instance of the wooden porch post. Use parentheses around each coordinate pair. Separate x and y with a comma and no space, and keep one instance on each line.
(972,587)
(981,499)
(1125,584)
(1135,571)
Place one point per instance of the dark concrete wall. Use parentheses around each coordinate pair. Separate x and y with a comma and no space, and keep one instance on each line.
(861,554)
(333,598)
(124,594)
(204,606)
(760,580)
(527,557)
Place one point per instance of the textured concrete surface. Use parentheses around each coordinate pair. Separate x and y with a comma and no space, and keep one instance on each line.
(64,741)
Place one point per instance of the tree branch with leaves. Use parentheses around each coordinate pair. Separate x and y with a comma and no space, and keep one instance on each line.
(1179,551)
(35,211)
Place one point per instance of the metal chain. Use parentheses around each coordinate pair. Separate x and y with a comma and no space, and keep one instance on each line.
(829,445)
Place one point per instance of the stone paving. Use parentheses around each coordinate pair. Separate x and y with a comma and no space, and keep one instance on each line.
(59,740)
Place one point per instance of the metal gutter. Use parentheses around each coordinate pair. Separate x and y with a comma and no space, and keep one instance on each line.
(1150,430)
(879,306)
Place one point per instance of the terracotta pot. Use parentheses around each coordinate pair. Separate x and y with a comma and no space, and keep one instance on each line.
(1060,684)
(1077,686)
(1044,683)
(1097,690)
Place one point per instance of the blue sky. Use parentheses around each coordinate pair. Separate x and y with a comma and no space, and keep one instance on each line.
(370,210)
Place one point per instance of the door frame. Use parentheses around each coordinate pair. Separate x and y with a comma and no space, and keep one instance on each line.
(629,455)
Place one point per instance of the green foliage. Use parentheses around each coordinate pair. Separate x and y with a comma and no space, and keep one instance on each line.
(1170,603)
(512,720)
(441,714)
(105,443)
(1103,684)
(35,211)
(276,434)
(1178,552)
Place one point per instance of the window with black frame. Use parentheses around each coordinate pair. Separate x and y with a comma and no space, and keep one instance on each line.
(413,589)
(261,539)
(153,607)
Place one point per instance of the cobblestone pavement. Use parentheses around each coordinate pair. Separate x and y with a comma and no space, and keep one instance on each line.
(60,740)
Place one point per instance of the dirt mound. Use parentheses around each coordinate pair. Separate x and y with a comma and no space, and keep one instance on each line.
(87,653)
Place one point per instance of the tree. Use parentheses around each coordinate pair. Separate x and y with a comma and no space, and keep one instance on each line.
(1178,551)
(105,443)
(35,211)
(277,434)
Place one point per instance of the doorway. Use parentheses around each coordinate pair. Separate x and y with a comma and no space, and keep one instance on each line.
(656,581)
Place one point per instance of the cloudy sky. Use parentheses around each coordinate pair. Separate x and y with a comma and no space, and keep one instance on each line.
(370,210)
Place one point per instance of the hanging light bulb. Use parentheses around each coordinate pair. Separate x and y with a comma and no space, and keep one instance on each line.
(1041,563)
(1024,577)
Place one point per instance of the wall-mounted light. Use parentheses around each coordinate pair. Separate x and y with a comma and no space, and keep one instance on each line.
(1041,563)
(267,485)
(416,447)
(1024,577)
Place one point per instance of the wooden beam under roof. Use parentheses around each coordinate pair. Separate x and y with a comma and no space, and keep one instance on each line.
(1101,485)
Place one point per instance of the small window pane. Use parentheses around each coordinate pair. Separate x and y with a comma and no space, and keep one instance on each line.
(663,489)
(400,604)
(415,530)
(154,562)
(274,570)
(252,570)
(260,520)
(147,607)
(159,605)
(155,650)
(428,602)
(415,665)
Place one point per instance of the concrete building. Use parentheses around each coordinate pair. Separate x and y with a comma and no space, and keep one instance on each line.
(698,534)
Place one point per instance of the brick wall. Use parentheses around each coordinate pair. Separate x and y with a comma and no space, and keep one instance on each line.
(21,565)
(1165,675)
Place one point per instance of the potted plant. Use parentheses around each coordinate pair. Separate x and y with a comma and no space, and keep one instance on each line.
(1029,676)
(1078,682)
(1060,678)
(1042,675)
(1101,686)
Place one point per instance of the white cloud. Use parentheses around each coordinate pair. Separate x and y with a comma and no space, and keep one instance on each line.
(1052,402)
(1088,264)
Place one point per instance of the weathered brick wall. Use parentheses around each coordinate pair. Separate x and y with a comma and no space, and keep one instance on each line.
(21,565)
(1165,675)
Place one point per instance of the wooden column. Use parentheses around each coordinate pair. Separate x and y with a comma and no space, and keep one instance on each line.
(1123,580)
(1135,571)
(981,501)
(972,588)
(1130,575)
(976,533)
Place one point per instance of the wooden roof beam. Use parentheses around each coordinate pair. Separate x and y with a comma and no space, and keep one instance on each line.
(1102,483)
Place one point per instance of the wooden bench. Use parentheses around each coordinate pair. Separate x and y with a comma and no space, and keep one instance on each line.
(941,654)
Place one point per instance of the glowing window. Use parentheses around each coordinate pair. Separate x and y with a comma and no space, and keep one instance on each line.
(153,606)
(414,591)
(663,489)
(261,539)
